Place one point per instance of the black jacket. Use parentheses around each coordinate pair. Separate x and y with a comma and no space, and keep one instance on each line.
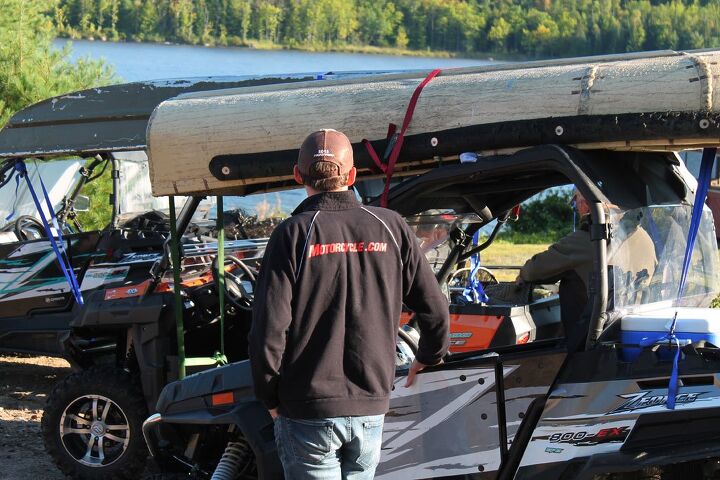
(327,308)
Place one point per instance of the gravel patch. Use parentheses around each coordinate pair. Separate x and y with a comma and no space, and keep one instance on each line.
(24,385)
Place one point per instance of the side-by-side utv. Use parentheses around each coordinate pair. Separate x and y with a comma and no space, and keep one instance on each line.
(529,410)
(627,389)
(122,341)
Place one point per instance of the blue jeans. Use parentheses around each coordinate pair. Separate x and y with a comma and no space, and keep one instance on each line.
(345,448)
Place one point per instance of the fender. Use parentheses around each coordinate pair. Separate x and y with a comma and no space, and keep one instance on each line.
(254,422)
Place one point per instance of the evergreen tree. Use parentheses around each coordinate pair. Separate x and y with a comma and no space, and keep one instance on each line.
(527,27)
(30,68)
(148,20)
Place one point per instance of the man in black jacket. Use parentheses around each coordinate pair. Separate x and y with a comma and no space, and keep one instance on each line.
(327,308)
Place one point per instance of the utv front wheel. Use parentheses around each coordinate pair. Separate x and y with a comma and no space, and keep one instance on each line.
(92,425)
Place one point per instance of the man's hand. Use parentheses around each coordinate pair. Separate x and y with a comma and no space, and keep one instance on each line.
(273,413)
(414,369)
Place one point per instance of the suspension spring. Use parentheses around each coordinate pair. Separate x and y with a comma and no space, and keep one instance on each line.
(233,461)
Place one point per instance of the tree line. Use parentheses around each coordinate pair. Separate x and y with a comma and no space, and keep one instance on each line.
(531,28)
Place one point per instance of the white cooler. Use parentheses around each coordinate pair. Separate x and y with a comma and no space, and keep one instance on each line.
(693,324)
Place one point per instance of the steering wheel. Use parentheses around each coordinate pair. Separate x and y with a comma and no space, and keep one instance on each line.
(27,227)
(410,337)
(239,282)
(483,274)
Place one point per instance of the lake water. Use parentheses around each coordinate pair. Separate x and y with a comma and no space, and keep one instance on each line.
(146,61)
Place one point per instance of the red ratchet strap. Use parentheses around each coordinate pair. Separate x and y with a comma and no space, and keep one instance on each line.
(389,167)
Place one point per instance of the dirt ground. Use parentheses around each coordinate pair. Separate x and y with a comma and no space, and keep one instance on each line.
(24,385)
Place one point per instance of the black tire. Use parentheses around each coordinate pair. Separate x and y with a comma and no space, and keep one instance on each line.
(79,403)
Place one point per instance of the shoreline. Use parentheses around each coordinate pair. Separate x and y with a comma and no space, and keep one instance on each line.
(261,45)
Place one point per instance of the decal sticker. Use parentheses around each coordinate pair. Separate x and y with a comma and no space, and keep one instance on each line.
(460,335)
(585,438)
(646,399)
(97,277)
(565,442)
(131,258)
(54,299)
(622,398)
(128,291)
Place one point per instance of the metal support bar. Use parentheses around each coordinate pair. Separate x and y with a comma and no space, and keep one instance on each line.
(500,399)
(115,195)
(489,241)
(600,299)
(175,258)
(221,270)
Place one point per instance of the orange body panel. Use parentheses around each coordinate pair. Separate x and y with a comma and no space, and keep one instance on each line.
(468,332)
(128,291)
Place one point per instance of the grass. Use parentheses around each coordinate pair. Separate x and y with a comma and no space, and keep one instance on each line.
(515,254)
(509,254)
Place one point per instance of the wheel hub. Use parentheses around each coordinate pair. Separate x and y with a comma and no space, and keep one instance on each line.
(98,429)
(94,430)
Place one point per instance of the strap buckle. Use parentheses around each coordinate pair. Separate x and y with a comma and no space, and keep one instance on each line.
(600,231)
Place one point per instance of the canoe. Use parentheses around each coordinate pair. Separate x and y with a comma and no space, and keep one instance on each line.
(246,139)
(104,119)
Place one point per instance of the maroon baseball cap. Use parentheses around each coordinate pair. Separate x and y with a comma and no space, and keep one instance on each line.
(326,146)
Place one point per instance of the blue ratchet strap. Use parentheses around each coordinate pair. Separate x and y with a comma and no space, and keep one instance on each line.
(474,289)
(58,243)
(17,185)
(574,209)
(708,158)
(672,340)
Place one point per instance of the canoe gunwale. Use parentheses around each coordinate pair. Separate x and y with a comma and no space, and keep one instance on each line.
(657,131)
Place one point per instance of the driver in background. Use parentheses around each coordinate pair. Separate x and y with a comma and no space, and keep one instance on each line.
(570,260)
(433,239)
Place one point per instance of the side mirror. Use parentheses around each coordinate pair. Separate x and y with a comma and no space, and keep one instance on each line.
(81,204)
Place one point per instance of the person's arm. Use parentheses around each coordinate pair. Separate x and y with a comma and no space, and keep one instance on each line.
(564,255)
(271,317)
(422,294)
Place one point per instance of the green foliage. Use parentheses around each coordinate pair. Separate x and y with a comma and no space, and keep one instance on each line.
(30,68)
(543,220)
(715,303)
(537,28)
(100,212)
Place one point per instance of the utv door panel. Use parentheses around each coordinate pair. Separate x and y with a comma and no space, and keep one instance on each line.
(30,277)
(446,424)
(34,295)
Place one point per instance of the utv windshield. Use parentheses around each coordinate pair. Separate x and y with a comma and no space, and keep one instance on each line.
(135,195)
(432,229)
(646,254)
(58,177)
